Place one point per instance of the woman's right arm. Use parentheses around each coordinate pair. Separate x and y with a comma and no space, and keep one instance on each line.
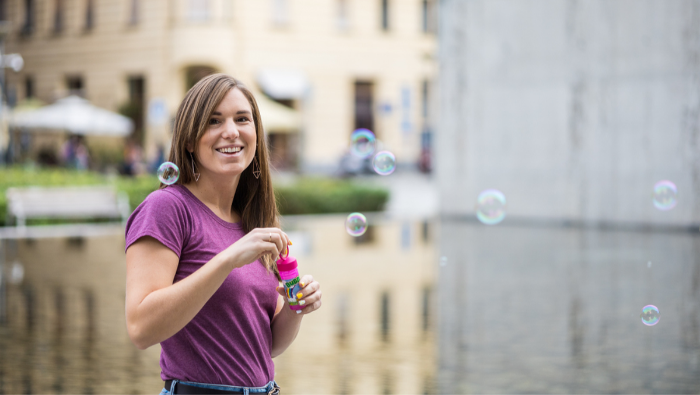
(156,309)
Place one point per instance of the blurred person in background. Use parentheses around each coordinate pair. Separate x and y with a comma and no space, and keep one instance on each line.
(68,151)
(200,253)
(133,159)
(74,153)
(82,157)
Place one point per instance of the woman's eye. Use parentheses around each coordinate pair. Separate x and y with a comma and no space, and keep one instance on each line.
(242,119)
(214,121)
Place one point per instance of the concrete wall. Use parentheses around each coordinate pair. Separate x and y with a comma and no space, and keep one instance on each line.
(573,108)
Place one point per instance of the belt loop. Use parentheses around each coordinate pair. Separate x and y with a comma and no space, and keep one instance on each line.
(245,391)
(172,387)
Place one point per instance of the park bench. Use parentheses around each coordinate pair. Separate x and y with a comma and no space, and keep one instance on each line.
(71,203)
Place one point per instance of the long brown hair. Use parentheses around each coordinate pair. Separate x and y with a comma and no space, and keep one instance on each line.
(254,198)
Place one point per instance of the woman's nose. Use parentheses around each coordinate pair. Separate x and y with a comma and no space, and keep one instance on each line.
(230,129)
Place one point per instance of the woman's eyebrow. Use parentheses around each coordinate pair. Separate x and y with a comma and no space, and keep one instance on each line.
(238,112)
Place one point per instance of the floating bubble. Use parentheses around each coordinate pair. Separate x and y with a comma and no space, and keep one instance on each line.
(168,173)
(650,315)
(491,207)
(384,163)
(363,142)
(356,224)
(649,264)
(665,195)
(443,261)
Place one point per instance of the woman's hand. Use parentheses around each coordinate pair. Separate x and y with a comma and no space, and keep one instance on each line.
(257,243)
(309,296)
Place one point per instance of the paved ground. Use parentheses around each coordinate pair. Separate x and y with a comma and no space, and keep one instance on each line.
(413,194)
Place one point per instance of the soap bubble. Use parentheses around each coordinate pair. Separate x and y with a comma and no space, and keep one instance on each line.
(168,173)
(362,143)
(491,206)
(384,163)
(356,224)
(665,195)
(649,264)
(443,261)
(650,315)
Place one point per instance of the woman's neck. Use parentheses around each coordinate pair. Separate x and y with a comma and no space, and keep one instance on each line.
(217,194)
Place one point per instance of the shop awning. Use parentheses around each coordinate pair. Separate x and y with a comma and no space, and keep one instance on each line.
(283,84)
(276,117)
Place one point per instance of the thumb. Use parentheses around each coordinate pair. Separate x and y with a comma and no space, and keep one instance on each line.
(280,290)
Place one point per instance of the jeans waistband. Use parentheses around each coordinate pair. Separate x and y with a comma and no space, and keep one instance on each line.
(188,387)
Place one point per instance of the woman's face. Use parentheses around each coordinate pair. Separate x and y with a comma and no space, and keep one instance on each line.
(228,145)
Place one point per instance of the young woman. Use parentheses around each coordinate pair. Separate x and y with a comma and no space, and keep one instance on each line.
(200,253)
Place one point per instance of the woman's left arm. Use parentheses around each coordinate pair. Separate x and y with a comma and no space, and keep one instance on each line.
(286,322)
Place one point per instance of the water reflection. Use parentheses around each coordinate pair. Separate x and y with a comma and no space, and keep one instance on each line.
(551,310)
(65,332)
(508,310)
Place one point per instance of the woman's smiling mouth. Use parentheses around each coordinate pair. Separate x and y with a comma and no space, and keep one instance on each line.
(229,151)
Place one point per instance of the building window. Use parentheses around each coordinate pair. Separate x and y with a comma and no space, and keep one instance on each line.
(89,14)
(343,15)
(429,25)
(198,10)
(364,105)
(134,12)
(137,100)
(58,16)
(280,12)
(385,15)
(75,85)
(195,73)
(28,87)
(28,24)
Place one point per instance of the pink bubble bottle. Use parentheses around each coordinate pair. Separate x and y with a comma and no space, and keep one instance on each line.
(287,267)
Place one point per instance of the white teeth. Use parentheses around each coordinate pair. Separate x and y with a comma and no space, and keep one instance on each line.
(229,150)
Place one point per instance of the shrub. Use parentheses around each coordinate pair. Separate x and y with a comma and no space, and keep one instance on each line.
(306,196)
(320,196)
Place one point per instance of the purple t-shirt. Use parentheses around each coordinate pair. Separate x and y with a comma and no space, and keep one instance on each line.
(229,341)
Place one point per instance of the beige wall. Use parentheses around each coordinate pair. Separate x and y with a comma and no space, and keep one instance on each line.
(239,38)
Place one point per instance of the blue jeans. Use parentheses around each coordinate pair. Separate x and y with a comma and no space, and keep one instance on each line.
(242,390)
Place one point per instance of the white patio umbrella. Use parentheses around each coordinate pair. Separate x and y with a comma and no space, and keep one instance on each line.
(74,115)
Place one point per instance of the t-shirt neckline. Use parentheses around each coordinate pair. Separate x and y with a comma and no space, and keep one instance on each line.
(206,209)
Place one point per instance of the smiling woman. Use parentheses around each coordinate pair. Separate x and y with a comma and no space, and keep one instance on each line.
(200,253)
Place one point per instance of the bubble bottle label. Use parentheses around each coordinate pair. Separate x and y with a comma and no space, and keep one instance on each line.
(287,267)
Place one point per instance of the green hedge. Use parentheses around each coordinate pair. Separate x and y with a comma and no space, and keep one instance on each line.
(307,196)
(321,196)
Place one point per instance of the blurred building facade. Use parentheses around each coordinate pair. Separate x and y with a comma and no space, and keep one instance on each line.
(319,68)
(573,109)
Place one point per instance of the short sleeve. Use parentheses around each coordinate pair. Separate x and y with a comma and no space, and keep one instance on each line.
(163,216)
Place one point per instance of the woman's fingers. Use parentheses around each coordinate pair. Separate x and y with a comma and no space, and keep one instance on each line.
(306,280)
(277,237)
(310,293)
(311,307)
